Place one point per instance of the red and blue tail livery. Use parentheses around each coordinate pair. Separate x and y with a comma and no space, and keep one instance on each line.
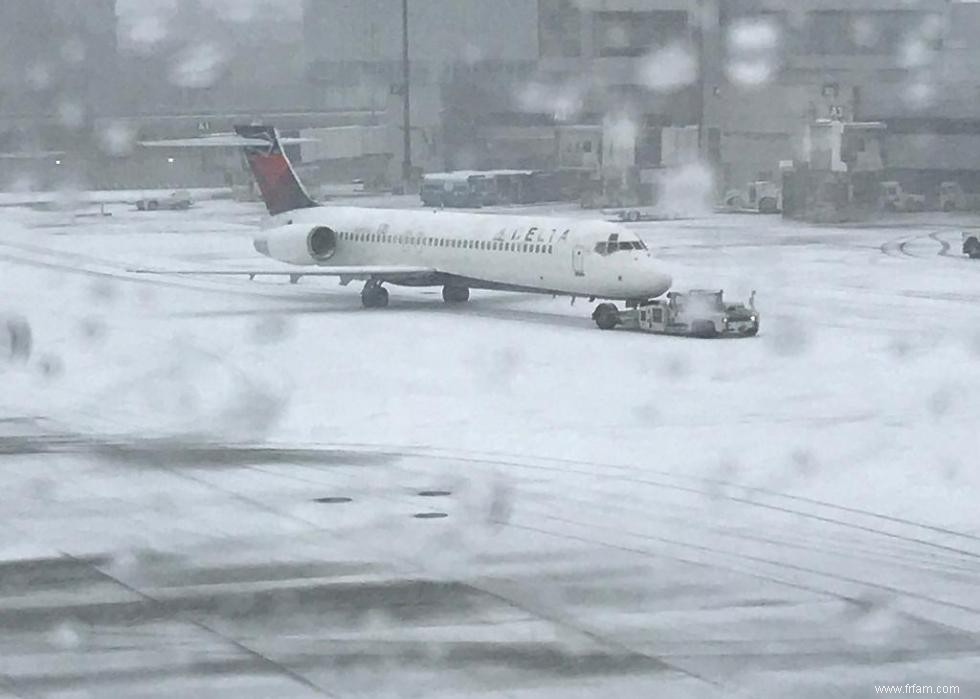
(280,187)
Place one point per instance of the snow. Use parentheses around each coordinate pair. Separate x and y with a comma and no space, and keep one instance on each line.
(648,514)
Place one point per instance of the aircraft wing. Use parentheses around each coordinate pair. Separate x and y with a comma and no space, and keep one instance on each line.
(347,271)
(229,140)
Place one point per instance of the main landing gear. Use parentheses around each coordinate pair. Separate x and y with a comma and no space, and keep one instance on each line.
(455,294)
(374,295)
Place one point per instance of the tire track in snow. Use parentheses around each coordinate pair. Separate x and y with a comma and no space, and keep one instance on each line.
(758,566)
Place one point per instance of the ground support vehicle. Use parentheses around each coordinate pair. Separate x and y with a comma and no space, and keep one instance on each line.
(762,197)
(952,197)
(895,198)
(696,313)
(178,201)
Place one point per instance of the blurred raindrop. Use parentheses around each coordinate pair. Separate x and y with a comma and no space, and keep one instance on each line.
(252,412)
(563,102)
(93,329)
(198,66)
(865,32)
(51,366)
(238,11)
(915,53)
(104,291)
(727,473)
(16,339)
(951,470)
(689,191)
(38,76)
(117,139)
(71,114)
(502,368)
(68,635)
(788,337)
(753,52)
(919,94)
(271,329)
(23,183)
(648,413)
(900,348)
(932,28)
(941,401)
(472,54)
(42,488)
(145,33)
(873,624)
(974,345)
(73,50)
(750,73)
(804,463)
(677,367)
(501,502)
(747,35)
(669,69)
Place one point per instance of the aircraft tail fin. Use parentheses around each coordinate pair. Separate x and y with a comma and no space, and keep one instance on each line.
(281,189)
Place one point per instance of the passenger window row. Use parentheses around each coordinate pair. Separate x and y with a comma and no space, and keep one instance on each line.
(494,245)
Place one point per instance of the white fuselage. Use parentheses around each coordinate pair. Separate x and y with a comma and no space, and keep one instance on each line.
(573,257)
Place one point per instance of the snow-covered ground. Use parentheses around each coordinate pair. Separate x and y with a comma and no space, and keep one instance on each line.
(624,513)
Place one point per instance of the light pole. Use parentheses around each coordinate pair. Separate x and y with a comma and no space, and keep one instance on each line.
(407,104)
(700,28)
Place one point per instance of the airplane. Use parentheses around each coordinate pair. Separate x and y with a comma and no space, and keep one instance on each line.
(422,248)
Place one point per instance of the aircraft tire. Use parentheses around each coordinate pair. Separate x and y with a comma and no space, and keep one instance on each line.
(606,316)
(374,297)
(704,329)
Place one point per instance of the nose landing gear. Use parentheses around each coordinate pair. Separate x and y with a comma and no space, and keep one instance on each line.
(374,295)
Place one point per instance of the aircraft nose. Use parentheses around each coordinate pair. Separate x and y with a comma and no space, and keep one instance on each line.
(658,281)
(662,283)
(261,246)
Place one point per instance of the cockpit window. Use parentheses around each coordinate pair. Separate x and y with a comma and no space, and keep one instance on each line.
(607,247)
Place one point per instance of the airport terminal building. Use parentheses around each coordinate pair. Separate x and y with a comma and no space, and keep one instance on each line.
(496,85)
(508,84)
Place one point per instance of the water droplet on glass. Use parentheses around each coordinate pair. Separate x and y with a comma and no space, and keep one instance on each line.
(669,69)
(198,66)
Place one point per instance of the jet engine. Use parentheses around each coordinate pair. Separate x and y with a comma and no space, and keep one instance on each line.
(298,244)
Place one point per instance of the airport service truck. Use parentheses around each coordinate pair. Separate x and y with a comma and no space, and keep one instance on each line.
(696,313)
(178,201)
